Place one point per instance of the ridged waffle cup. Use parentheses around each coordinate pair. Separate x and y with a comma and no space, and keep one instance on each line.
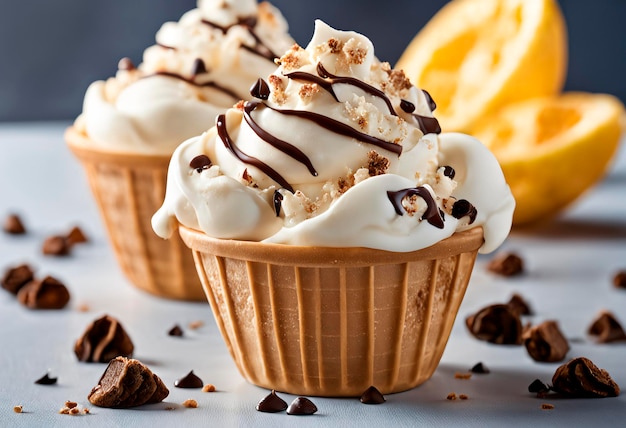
(129,188)
(334,321)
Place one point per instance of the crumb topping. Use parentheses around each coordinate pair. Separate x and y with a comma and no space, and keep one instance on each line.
(292,59)
(278,89)
(307,91)
(377,164)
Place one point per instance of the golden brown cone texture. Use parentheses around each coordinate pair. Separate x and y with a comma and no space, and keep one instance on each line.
(129,188)
(334,321)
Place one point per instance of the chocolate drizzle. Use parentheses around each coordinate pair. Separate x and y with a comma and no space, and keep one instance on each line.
(278,202)
(429,99)
(462,208)
(432,213)
(230,145)
(209,84)
(426,123)
(248,23)
(288,149)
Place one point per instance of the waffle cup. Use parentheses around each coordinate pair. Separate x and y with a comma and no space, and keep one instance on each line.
(129,188)
(334,321)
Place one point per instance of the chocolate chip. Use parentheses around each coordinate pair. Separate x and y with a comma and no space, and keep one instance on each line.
(75,236)
(462,208)
(271,403)
(581,378)
(127,383)
(17,277)
(198,67)
(480,368)
(407,106)
(55,246)
(538,387)
(301,406)
(125,64)
(519,305)
(606,328)
(545,342)
(189,381)
(260,90)
(619,280)
(13,225)
(449,172)
(103,340)
(372,396)
(48,293)
(46,380)
(496,324)
(200,163)
(506,264)
(176,331)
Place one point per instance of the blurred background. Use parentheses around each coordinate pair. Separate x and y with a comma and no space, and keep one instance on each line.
(52,50)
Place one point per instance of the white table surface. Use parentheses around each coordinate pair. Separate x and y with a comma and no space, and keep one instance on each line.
(570,263)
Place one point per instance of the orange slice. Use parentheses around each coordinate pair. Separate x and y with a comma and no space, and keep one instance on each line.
(475,56)
(552,149)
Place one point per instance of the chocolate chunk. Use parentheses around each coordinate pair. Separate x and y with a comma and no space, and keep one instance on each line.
(449,172)
(271,403)
(75,236)
(619,280)
(538,387)
(372,396)
(189,381)
(462,208)
(496,324)
(13,225)
(127,383)
(17,277)
(198,67)
(200,163)
(260,90)
(407,106)
(506,264)
(55,246)
(125,64)
(48,293)
(519,305)
(606,328)
(545,342)
(103,340)
(581,378)
(301,406)
(480,368)
(46,380)
(176,331)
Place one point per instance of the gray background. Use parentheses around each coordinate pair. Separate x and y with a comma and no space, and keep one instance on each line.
(51,50)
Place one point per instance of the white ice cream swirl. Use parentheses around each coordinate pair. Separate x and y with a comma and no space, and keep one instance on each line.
(200,65)
(338,150)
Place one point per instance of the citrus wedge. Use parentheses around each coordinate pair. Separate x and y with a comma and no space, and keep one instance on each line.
(552,149)
(475,56)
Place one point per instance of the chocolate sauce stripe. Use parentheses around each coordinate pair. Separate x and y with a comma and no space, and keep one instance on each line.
(432,214)
(285,147)
(340,128)
(249,23)
(192,82)
(243,157)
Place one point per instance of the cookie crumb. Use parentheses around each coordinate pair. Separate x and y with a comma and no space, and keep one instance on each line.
(170,408)
(464,376)
(18,409)
(547,406)
(451,396)
(506,264)
(55,246)
(619,280)
(194,325)
(83,307)
(86,411)
(71,404)
(208,388)
(463,396)
(13,225)
(190,403)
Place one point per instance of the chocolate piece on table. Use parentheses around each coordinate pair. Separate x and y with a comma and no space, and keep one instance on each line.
(75,236)
(189,381)
(271,403)
(372,396)
(55,246)
(506,264)
(619,280)
(480,368)
(46,380)
(127,383)
(301,406)
(17,277)
(545,342)
(519,305)
(496,324)
(103,340)
(48,293)
(606,328)
(13,225)
(538,387)
(581,378)
(176,331)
